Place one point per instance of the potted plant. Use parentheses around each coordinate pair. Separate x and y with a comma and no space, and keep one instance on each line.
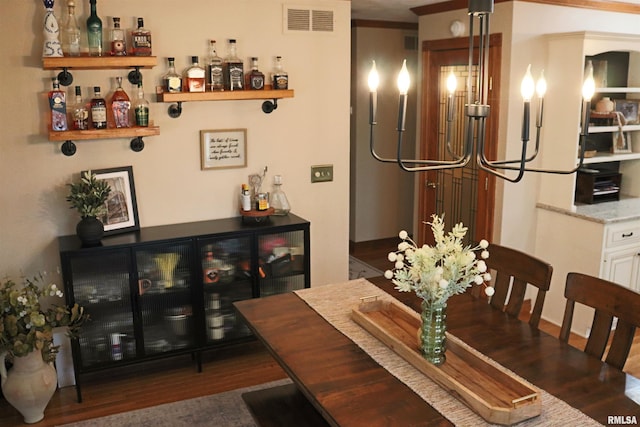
(89,198)
(26,340)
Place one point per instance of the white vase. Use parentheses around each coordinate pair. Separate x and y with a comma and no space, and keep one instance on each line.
(29,385)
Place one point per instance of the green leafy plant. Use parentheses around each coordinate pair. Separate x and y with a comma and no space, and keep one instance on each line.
(437,272)
(89,195)
(25,326)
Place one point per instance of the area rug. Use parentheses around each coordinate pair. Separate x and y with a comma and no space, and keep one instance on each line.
(361,270)
(220,410)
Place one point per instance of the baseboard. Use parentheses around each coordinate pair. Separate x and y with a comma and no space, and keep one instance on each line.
(389,242)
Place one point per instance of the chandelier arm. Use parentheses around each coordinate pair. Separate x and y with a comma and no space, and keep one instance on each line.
(428,165)
(496,163)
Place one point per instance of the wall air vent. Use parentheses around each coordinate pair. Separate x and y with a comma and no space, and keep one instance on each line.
(410,43)
(301,19)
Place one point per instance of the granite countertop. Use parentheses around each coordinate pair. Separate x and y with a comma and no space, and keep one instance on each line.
(626,209)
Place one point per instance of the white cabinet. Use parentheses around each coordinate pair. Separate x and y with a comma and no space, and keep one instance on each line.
(622,267)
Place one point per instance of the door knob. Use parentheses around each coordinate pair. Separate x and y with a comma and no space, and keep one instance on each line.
(431,184)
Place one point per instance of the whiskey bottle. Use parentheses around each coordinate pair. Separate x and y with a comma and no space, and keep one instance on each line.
(120,106)
(141,40)
(98,110)
(78,112)
(279,77)
(94,31)
(255,79)
(215,79)
(233,69)
(278,200)
(141,108)
(172,81)
(58,105)
(118,44)
(193,78)
(70,34)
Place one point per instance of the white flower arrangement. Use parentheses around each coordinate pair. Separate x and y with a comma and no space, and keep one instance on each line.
(436,273)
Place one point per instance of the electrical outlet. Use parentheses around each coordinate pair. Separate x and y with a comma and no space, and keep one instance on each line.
(321,173)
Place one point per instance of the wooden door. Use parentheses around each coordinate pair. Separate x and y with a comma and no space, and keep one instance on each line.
(464,194)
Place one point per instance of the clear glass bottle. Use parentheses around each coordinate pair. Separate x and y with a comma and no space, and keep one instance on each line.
(141,108)
(117,38)
(141,40)
(193,77)
(98,110)
(94,31)
(120,106)
(215,78)
(58,106)
(279,77)
(78,112)
(277,199)
(233,69)
(172,81)
(70,34)
(255,78)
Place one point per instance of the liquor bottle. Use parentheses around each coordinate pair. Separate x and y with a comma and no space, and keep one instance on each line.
(210,269)
(141,108)
(98,110)
(172,81)
(279,77)
(118,43)
(120,106)
(70,34)
(233,69)
(278,200)
(215,79)
(51,32)
(255,79)
(58,105)
(94,31)
(141,40)
(193,78)
(78,112)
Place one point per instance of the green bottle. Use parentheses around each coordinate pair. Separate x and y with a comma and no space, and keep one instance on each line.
(94,31)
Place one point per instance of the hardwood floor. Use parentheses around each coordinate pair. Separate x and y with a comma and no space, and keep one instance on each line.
(169,380)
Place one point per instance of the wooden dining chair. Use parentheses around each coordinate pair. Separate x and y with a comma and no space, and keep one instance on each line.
(609,300)
(512,271)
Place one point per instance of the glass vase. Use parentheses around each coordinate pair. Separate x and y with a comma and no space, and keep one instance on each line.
(432,332)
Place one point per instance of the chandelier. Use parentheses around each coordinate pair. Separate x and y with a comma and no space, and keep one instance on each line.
(476,111)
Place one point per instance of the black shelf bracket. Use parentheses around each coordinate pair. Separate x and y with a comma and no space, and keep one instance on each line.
(137,144)
(135,76)
(68,148)
(269,106)
(175,110)
(65,77)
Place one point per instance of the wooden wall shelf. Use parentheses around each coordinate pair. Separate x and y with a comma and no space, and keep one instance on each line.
(98,62)
(137,144)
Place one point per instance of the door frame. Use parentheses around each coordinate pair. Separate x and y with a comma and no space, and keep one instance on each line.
(429,132)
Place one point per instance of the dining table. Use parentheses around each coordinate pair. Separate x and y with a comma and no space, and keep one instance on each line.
(338,381)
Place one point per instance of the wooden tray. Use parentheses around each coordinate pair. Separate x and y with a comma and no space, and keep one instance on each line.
(496,396)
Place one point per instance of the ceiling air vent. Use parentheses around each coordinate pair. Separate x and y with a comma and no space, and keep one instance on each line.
(300,19)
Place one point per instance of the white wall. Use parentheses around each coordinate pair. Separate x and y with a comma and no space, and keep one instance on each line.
(312,128)
(381,193)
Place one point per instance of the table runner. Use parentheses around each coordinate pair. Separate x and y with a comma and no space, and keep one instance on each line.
(334,303)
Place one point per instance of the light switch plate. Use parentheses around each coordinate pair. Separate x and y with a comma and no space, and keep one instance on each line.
(321,173)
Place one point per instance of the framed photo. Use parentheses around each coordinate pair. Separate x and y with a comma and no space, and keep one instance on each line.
(222,149)
(122,210)
(621,142)
(629,110)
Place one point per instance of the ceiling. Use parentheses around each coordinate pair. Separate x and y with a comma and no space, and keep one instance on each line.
(387,10)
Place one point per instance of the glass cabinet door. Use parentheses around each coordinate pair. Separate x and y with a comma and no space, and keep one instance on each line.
(164,297)
(281,262)
(226,278)
(101,285)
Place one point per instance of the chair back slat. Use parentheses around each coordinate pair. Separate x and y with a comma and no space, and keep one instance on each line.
(512,271)
(609,300)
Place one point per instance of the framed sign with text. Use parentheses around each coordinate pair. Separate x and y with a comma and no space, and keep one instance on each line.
(223,148)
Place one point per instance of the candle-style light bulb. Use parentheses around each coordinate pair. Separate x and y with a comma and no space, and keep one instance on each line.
(404,79)
(589,86)
(541,85)
(452,83)
(374,78)
(527,87)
